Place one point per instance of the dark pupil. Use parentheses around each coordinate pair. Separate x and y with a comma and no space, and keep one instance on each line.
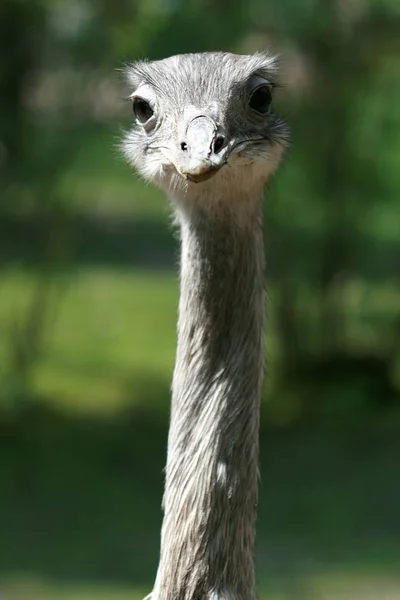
(142,110)
(261,99)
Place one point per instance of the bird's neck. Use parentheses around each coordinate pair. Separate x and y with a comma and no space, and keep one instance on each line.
(207,546)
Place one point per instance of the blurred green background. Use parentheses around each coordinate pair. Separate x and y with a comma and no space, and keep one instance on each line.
(89,290)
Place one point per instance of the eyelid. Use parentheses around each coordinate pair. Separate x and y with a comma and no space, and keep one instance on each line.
(146,93)
(136,96)
(257,81)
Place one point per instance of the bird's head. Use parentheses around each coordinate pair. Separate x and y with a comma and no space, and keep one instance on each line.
(204,122)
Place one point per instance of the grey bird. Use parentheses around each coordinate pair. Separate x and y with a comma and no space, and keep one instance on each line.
(205,133)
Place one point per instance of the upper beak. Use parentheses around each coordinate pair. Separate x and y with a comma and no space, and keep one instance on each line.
(203,151)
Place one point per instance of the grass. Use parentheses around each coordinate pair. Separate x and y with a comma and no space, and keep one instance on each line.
(110,334)
(338,586)
(106,329)
(36,590)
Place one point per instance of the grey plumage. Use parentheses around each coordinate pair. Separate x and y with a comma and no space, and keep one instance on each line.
(206,135)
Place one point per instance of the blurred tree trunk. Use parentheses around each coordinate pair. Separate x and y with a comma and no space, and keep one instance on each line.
(22,33)
(337,52)
(21,30)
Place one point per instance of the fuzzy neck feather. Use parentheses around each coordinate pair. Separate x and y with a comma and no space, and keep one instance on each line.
(207,544)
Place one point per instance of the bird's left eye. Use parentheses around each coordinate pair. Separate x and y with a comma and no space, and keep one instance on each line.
(261,99)
(142,110)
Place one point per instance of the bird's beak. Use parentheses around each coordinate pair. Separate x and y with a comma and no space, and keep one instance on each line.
(202,151)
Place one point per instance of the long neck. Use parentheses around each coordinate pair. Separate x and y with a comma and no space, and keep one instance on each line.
(207,544)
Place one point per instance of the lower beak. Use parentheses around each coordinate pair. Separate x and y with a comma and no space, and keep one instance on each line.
(199,172)
(203,151)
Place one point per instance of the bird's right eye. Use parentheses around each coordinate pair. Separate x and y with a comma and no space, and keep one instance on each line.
(142,110)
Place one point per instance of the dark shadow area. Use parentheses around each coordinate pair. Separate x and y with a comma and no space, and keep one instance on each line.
(90,241)
(85,240)
(344,386)
(80,498)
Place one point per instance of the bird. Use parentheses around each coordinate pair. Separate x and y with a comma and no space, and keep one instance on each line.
(204,131)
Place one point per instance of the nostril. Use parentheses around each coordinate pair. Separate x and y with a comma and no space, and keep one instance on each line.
(218,143)
(183,146)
